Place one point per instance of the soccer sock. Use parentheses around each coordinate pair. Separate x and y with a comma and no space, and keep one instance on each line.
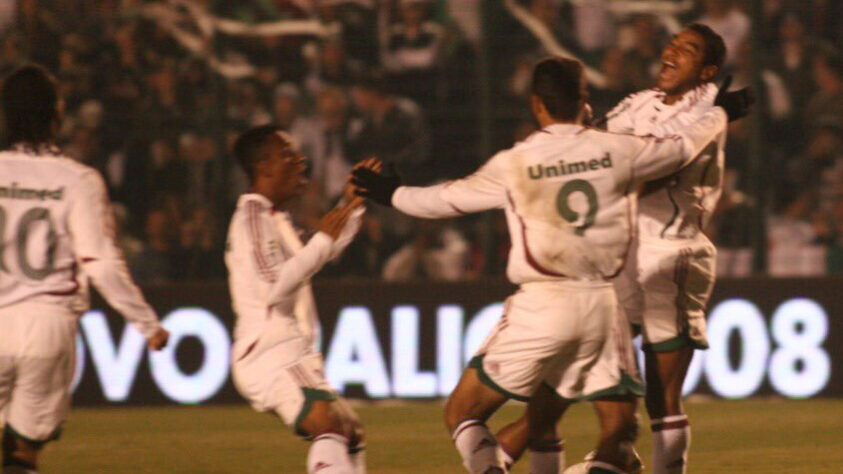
(358,458)
(505,458)
(671,440)
(547,456)
(329,455)
(477,447)
(600,467)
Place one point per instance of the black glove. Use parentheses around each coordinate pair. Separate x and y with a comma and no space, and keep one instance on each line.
(735,103)
(375,186)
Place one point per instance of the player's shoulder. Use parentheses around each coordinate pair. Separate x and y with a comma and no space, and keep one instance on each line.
(64,166)
(637,99)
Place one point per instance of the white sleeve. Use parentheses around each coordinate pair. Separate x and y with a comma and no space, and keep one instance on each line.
(91,225)
(352,226)
(619,119)
(662,156)
(481,191)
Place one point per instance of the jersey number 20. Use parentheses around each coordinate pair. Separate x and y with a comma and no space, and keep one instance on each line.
(572,216)
(29,218)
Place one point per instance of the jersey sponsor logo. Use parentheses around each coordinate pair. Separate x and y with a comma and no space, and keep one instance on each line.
(564,169)
(14,192)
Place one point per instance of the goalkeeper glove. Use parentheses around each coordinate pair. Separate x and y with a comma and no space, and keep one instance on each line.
(375,186)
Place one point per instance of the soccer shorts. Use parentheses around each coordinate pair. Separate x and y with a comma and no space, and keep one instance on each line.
(567,335)
(664,289)
(282,375)
(37,360)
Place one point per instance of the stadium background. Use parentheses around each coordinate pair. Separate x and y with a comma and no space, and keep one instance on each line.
(156,90)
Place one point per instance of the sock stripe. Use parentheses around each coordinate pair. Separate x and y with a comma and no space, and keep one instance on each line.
(669,425)
(465,424)
(604,467)
(332,437)
(547,446)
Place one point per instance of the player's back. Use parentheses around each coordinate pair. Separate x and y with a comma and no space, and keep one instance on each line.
(571,211)
(37,262)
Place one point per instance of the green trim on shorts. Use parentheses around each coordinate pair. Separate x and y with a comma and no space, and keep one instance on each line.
(627,386)
(310,395)
(476,363)
(560,397)
(675,343)
(38,444)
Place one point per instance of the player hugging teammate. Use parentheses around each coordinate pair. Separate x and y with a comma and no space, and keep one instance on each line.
(560,339)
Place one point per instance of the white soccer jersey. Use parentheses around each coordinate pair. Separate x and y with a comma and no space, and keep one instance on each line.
(269,272)
(679,207)
(568,192)
(55,220)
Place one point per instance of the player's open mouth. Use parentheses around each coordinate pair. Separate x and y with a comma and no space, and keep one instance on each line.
(668,70)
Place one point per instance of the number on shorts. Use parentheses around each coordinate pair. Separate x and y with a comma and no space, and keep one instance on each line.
(22,236)
(572,216)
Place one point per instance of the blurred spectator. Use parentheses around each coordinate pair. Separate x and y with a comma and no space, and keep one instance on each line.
(411,51)
(437,251)
(392,129)
(199,256)
(323,141)
(727,20)
(827,71)
(366,255)
(155,263)
(643,58)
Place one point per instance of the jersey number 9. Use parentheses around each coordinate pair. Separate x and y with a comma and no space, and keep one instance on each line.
(572,216)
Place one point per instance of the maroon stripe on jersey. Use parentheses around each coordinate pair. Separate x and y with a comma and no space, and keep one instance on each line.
(630,233)
(248,350)
(529,256)
(253,217)
(670,425)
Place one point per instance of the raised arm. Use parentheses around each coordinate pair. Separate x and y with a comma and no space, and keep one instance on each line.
(91,224)
(483,190)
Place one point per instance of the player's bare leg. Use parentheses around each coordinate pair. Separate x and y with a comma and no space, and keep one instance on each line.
(544,411)
(512,441)
(618,431)
(466,412)
(19,456)
(357,442)
(671,431)
(333,433)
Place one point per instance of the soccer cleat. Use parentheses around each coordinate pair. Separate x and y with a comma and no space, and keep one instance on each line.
(635,466)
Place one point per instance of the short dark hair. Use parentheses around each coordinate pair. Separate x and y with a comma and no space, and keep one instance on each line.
(249,147)
(715,48)
(557,82)
(30,104)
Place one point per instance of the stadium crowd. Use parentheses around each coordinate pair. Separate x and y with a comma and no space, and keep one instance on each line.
(405,80)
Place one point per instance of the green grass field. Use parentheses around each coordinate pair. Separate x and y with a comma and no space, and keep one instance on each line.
(753,436)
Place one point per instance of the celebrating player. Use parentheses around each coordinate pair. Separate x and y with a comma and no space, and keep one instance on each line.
(668,279)
(569,197)
(55,220)
(275,364)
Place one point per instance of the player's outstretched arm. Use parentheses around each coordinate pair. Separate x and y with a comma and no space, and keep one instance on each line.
(483,190)
(658,157)
(91,224)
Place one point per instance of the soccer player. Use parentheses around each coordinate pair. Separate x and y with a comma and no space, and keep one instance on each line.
(569,197)
(276,366)
(57,232)
(669,275)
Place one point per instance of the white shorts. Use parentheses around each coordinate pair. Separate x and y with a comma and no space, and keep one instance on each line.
(283,375)
(568,336)
(664,289)
(37,360)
